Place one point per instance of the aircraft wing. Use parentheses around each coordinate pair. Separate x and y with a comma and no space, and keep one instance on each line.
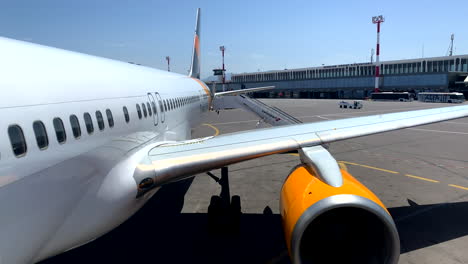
(170,162)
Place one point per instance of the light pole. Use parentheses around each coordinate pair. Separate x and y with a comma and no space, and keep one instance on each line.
(377,20)
(168,63)
(222,49)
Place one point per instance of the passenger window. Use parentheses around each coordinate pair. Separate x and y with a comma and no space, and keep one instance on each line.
(75,125)
(161,107)
(155,111)
(110,118)
(18,143)
(89,123)
(139,111)
(60,130)
(100,120)
(144,110)
(149,109)
(127,117)
(41,135)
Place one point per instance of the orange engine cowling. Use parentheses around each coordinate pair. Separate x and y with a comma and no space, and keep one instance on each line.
(325,224)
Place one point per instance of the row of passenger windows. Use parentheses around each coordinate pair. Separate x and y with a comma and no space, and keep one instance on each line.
(170,104)
(166,105)
(18,141)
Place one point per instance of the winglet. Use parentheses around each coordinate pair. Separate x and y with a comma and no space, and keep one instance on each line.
(195,67)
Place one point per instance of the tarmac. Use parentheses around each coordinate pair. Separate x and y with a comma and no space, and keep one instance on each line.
(420,174)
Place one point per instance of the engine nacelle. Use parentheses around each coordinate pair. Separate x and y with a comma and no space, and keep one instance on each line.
(325,224)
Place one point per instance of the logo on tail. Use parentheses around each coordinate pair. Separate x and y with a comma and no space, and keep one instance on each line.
(195,67)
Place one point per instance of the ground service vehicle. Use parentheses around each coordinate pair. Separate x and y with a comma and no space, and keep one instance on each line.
(354,105)
(391,96)
(451,98)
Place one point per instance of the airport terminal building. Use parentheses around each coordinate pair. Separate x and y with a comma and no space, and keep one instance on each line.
(437,74)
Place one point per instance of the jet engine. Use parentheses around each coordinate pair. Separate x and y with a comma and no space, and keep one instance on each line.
(327,224)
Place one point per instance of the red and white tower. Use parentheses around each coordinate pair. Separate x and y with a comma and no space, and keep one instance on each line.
(222,49)
(377,20)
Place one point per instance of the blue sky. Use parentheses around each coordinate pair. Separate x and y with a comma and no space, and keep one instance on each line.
(258,35)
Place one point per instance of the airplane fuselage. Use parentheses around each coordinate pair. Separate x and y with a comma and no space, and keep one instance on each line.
(76,183)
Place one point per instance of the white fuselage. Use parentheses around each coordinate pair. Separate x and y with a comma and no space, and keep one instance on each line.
(69,193)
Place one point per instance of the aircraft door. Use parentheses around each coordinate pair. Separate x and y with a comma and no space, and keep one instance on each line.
(200,97)
(203,101)
(161,107)
(153,107)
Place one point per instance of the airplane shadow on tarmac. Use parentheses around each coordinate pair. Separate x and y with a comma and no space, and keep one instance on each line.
(422,226)
(160,233)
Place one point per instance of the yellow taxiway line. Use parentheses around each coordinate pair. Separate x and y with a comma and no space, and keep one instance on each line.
(420,178)
(369,167)
(343,166)
(214,128)
(458,186)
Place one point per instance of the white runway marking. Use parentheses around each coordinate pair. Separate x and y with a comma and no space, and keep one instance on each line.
(347,115)
(321,117)
(438,131)
(457,123)
(238,122)
(364,112)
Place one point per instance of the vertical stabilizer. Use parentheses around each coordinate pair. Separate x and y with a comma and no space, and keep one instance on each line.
(195,67)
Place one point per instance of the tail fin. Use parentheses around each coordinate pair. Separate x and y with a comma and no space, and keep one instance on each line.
(195,67)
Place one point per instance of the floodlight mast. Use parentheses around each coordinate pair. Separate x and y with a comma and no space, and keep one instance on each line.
(377,20)
(222,49)
(168,63)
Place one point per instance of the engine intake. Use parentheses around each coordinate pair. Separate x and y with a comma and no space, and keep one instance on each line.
(346,224)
